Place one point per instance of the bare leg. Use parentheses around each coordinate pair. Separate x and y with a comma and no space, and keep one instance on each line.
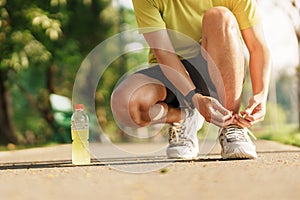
(138,100)
(222,41)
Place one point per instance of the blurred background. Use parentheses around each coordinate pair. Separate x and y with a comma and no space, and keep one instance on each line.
(42,46)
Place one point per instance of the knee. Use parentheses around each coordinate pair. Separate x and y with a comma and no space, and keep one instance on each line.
(117,102)
(220,17)
(129,109)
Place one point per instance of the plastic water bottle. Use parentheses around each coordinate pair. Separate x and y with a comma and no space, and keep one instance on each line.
(80,136)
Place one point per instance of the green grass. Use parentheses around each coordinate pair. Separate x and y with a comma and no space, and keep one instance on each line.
(286,134)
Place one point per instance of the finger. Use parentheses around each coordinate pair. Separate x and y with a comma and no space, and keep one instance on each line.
(242,121)
(220,120)
(228,122)
(220,124)
(242,114)
(241,124)
(250,108)
(217,116)
(257,117)
(249,120)
(218,106)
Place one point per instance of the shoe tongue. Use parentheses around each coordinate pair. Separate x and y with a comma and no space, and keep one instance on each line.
(188,112)
(232,128)
(235,127)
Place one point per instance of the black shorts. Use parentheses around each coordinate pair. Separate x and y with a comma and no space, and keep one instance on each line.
(198,71)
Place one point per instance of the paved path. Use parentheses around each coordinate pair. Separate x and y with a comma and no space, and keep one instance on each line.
(141,171)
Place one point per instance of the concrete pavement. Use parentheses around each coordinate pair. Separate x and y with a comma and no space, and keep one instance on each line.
(142,171)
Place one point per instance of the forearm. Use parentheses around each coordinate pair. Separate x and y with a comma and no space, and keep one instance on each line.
(174,70)
(170,63)
(260,60)
(260,70)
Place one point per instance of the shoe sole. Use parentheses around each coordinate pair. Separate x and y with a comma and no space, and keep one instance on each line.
(183,157)
(176,155)
(239,153)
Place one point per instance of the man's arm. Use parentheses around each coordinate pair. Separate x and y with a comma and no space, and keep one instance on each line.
(260,70)
(171,65)
(176,73)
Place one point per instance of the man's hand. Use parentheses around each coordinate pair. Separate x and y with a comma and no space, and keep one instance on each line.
(255,112)
(212,110)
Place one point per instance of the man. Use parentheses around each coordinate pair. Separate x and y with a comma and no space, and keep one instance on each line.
(188,83)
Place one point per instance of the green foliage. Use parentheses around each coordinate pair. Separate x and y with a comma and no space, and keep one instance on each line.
(42,46)
(286,90)
(287,134)
(275,115)
(274,120)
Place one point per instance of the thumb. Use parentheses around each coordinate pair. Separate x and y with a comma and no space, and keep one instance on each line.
(250,108)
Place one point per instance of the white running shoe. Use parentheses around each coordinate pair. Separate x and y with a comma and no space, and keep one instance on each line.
(183,140)
(236,143)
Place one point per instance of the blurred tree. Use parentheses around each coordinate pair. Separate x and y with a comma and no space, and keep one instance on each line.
(42,44)
(296,5)
(124,22)
(292,8)
(280,92)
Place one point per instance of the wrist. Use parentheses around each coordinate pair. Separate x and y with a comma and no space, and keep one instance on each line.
(260,97)
(195,99)
(190,98)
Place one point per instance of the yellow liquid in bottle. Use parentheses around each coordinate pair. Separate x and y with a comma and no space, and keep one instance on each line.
(80,147)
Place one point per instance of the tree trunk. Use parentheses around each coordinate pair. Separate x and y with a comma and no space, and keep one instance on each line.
(50,78)
(50,88)
(7,133)
(44,108)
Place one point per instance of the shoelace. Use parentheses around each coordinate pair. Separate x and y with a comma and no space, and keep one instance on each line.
(231,127)
(177,134)
(235,132)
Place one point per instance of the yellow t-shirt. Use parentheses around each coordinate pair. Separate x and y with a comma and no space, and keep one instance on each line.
(185,17)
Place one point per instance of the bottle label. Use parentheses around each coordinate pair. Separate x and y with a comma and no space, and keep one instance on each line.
(79,126)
